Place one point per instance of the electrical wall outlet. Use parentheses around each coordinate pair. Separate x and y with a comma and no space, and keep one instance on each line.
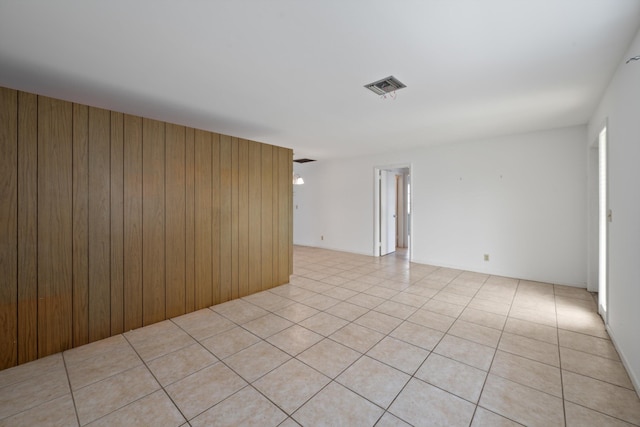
(486,257)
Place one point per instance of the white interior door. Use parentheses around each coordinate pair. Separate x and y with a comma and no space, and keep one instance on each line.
(387,212)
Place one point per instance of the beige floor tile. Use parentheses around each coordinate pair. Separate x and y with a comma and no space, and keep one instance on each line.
(485,418)
(572,292)
(347,311)
(323,323)
(497,296)
(291,385)
(268,300)
(116,343)
(599,346)
(33,391)
(603,397)
(381,292)
(255,361)
(158,339)
(101,398)
(536,331)
(268,325)
(33,369)
(355,285)
(410,299)
(239,311)
(340,293)
(289,422)
(597,367)
(230,342)
(566,305)
(462,289)
(455,377)
(203,324)
(496,307)
(294,340)
(389,420)
(539,303)
(175,366)
(329,357)
(528,372)
(443,307)
(452,298)
(296,312)
(522,404)
(366,300)
(417,335)
(422,291)
(423,404)
(579,416)
(200,391)
(535,316)
(335,405)
(583,322)
(432,320)
(357,337)
(335,280)
(398,354)
(153,410)
(396,309)
(530,348)
(291,291)
(99,367)
(378,321)
(245,408)
(374,380)
(468,352)
(476,333)
(57,412)
(320,302)
(484,318)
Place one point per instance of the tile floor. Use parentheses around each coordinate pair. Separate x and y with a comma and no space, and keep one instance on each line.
(351,341)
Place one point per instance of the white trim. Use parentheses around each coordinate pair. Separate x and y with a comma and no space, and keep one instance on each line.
(625,362)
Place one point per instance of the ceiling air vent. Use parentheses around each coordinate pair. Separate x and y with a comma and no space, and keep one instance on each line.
(304,160)
(386,85)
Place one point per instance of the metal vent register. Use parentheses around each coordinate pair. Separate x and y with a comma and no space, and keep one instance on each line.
(386,85)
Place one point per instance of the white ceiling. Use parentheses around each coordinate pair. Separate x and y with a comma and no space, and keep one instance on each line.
(291,72)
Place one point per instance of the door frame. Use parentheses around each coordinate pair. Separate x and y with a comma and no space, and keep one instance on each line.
(377,205)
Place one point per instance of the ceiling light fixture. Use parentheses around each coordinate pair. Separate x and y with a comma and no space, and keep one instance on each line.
(297,179)
(386,85)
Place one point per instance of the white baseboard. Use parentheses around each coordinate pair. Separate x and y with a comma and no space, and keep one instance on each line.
(632,375)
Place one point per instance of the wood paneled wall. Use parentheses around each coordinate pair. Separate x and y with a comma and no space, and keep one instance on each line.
(110,222)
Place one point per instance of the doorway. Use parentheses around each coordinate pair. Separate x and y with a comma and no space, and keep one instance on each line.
(604,217)
(392,195)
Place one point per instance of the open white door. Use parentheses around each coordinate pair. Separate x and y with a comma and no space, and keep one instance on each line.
(387,212)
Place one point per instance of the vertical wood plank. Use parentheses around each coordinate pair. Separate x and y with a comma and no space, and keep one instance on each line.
(255,217)
(132,222)
(54,226)
(203,223)
(235,291)
(153,221)
(117,223)
(27,227)
(275,227)
(175,220)
(8,228)
(80,224)
(290,191)
(190,226)
(225,218)
(215,217)
(243,217)
(267,216)
(99,224)
(284,210)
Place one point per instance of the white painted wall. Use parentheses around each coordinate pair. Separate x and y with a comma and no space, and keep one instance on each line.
(522,199)
(620,107)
